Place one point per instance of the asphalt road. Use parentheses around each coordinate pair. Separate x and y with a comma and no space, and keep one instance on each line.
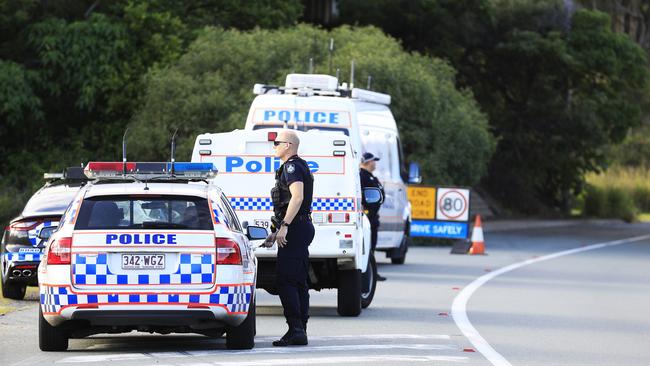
(586,308)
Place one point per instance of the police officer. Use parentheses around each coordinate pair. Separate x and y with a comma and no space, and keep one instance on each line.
(292,197)
(368,180)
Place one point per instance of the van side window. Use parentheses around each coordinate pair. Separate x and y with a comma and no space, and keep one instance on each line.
(233,221)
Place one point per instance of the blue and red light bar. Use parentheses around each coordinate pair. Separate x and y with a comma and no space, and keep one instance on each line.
(182,170)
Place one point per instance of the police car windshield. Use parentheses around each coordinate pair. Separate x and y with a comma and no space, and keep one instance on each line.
(305,128)
(144,212)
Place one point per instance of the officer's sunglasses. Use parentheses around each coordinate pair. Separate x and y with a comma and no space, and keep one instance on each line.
(277,143)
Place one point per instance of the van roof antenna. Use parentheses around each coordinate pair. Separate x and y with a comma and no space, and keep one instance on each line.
(124,152)
(173,157)
(331,51)
(369,82)
(351,74)
(311,65)
(338,73)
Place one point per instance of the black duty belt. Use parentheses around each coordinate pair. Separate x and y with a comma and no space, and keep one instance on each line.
(302,217)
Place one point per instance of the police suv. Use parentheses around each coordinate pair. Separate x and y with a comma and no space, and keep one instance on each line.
(318,102)
(24,239)
(339,254)
(153,247)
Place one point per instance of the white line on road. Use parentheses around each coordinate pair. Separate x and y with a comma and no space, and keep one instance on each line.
(459,307)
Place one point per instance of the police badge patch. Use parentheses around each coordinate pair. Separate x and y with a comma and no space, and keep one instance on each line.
(291,168)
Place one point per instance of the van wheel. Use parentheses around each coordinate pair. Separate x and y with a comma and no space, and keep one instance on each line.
(349,292)
(50,338)
(399,255)
(369,282)
(243,336)
(10,290)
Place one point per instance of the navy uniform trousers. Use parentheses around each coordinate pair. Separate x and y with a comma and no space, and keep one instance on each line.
(292,271)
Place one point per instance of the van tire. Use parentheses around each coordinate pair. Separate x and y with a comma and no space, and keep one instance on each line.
(349,292)
(51,339)
(399,254)
(243,336)
(369,282)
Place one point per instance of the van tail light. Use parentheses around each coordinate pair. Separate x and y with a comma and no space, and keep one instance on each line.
(59,252)
(338,218)
(227,251)
(23,225)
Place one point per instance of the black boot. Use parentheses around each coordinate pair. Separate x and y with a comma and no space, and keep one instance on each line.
(304,326)
(296,335)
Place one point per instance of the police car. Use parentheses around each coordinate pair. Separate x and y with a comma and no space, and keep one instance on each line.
(152,247)
(25,236)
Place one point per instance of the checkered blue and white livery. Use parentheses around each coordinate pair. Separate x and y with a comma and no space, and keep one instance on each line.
(33,233)
(318,204)
(194,269)
(236,299)
(23,257)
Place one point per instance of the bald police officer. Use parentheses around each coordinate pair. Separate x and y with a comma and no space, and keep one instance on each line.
(292,197)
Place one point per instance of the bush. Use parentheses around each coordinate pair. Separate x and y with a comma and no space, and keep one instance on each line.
(609,202)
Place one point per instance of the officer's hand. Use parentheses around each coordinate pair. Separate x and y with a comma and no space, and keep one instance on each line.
(268,242)
(281,236)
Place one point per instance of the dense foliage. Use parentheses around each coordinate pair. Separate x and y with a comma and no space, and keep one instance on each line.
(559,86)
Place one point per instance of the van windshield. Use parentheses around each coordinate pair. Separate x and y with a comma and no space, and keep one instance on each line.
(132,212)
(303,128)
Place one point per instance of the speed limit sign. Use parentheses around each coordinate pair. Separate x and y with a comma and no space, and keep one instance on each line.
(452,204)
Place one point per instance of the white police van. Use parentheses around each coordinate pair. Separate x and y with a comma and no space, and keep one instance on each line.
(339,253)
(151,248)
(317,102)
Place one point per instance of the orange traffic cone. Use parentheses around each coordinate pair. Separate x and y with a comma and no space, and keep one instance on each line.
(478,247)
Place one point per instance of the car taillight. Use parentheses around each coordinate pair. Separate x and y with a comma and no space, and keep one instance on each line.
(227,251)
(59,252)
(23,225)
(338,218)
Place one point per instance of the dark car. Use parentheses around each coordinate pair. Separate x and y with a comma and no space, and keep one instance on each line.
(25,236)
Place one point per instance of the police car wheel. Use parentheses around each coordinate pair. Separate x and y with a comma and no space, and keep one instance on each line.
(369,282)
(15,291)
(349,292)
(50,338)
(243,336)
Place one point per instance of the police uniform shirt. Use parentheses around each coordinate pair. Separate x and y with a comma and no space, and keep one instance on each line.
(368,180)
(296,170)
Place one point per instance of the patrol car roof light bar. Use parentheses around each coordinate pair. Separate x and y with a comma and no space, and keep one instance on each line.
(148,170)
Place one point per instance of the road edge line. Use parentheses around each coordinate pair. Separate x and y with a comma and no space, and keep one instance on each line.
(459,306)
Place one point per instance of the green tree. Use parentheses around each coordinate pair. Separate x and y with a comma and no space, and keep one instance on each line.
(209,90)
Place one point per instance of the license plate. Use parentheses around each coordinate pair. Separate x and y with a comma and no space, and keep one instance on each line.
(143,261)
(263,223)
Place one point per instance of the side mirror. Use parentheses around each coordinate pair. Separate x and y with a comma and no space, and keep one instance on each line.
(46,232)
(414,174)
(373,196)
(256,233)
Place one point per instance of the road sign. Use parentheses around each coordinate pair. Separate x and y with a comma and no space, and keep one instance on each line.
(423,202)
(452,204)
(439,229)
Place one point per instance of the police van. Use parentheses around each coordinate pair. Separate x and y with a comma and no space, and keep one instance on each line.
(152,247)
(339,253)
(317,102)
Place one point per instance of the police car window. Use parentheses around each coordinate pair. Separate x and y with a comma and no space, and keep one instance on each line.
(233,222)
(129,212)
(303,128)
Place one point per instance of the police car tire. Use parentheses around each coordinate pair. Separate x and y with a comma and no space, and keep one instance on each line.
(243,336)
(349,292)
(369,275)
(15,291)
(51,339)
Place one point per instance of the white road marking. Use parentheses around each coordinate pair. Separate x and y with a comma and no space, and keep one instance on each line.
(388,337)
(345,347)
(459,307)
(396,359)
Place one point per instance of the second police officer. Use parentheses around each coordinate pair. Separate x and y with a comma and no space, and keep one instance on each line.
(368,180)
(292,198)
